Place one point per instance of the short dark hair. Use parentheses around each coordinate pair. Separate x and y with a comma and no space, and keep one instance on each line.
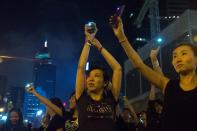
(192,46)
(105,74)
(57,101)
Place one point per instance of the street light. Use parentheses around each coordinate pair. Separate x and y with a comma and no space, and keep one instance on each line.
(2,109)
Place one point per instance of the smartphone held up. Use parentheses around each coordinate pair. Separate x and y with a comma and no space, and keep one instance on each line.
(29,86)
(118,13)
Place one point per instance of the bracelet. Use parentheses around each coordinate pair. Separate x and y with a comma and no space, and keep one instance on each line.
(100,49)
(88,43)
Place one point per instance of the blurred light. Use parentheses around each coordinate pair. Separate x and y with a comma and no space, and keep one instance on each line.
(39,113)
(5,99)
(45,43)
(26,121)
(169,17)
(131,15)
(4,118)
(177,17)
(87,66)
(159,40)
(174,16)
(141,39)
(64,104)
(1,109)
(166,17)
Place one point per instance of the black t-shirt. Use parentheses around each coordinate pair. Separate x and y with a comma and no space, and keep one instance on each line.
(96,115)
(6,127)
(180,108)
(124,126)
(154,120)
(55,123)
(71,123)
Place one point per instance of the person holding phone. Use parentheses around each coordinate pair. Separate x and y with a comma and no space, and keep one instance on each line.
(127,120)
(95,100)
(180,95)
(54,108)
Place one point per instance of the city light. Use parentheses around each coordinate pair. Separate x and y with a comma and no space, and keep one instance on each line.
(170,17)
(26,121)
(45,43)
(4,118)
(141,39)
(159,40)
(64,104)
(131,15)
(39,113)
(1,109)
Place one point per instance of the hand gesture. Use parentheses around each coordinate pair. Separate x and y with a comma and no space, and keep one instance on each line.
(154,53)
(118,31)
(31,89)
(96,43)
(89,36)
(126,101)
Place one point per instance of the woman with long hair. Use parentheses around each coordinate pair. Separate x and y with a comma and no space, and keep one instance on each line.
(14,121)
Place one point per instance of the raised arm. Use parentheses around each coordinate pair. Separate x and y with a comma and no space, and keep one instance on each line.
(157,68)
(131,109)
(154,60)
(80,78)
(116,67)
(154,77)
(45,101)
(152,93)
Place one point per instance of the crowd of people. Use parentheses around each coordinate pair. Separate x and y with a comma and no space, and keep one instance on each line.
(95,104)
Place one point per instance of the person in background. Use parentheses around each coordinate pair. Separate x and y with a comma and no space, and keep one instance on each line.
(44,122)
(14,121)
(72,123)
(127,120)
(54,108)
(155,106)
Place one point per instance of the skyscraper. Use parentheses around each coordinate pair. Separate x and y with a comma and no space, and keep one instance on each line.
(45,72)
(44,82)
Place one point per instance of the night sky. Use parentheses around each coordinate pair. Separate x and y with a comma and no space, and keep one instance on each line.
(26,24)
